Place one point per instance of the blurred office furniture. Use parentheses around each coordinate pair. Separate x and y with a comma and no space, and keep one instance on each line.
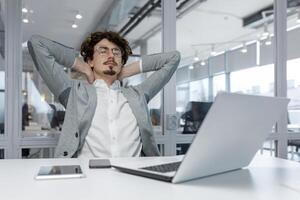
(293,126)
(295,144)
(194,115)
(181,149)
(155,117)
(25,116)
(2,103)
(1,153)
(58,117)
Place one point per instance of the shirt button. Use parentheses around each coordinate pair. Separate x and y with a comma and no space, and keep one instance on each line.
(76,134)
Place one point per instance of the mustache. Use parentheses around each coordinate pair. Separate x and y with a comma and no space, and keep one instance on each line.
(110,61)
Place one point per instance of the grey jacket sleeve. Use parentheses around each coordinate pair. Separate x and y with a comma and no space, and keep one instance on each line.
(50,58)
(164,65)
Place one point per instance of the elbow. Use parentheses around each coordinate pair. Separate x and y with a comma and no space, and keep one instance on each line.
(34,40)
(176,57)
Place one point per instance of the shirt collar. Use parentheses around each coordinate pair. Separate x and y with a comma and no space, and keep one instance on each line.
(99,83)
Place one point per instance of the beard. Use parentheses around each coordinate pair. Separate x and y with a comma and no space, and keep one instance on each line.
(110,72)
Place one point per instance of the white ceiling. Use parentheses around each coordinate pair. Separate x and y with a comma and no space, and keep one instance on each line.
(217,21)
(212,21)
(53,19)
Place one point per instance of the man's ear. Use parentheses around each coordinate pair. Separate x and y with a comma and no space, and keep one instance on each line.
(90,63)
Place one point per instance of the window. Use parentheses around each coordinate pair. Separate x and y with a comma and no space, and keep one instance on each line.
(199,90)
(255,80)
(293,92)
(219,84)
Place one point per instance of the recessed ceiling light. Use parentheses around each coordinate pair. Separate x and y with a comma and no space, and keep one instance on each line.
(196,57)
(74,25)
(213,53)
(244,48)
(78,16)
(25,20)
(24,10)
(268,42)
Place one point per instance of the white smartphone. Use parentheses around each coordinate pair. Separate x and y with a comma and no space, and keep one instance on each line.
(59,172)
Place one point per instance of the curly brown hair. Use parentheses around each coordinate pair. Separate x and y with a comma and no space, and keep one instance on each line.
(87,47)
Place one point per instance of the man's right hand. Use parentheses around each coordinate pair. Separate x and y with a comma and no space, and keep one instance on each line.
(84,68)
(90,75)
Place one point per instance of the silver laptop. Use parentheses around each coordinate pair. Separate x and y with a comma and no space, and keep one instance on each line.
(233,130)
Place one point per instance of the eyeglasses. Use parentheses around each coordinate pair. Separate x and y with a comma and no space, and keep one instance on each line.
(104,51)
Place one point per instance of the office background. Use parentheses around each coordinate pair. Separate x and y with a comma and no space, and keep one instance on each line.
(246,46)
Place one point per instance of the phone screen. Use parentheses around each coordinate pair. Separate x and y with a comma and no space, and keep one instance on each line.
(60,171)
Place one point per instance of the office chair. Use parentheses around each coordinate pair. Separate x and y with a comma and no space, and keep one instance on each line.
(194,115)
(293,143)
(58,117)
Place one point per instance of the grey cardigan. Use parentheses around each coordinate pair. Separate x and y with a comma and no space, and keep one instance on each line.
(80,100)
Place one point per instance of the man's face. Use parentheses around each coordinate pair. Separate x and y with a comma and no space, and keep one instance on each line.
(107,59)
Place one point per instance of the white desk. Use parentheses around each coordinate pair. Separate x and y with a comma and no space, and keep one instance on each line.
(266,178)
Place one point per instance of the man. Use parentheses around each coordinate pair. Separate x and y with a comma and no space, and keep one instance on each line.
(103,118)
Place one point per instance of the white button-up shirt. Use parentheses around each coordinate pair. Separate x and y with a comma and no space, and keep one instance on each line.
(114,131)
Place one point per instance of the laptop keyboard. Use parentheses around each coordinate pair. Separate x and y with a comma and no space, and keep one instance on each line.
(169,167)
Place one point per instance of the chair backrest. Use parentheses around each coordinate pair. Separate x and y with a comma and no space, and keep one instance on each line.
(194,115)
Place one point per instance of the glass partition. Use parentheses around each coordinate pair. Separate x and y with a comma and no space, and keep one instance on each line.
(268,148)
(293,91)
(294,150)
(219,84)
(255,80)
(223,49)
(293,80)
(2,69)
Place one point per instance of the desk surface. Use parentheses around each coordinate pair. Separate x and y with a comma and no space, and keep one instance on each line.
(266,178)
